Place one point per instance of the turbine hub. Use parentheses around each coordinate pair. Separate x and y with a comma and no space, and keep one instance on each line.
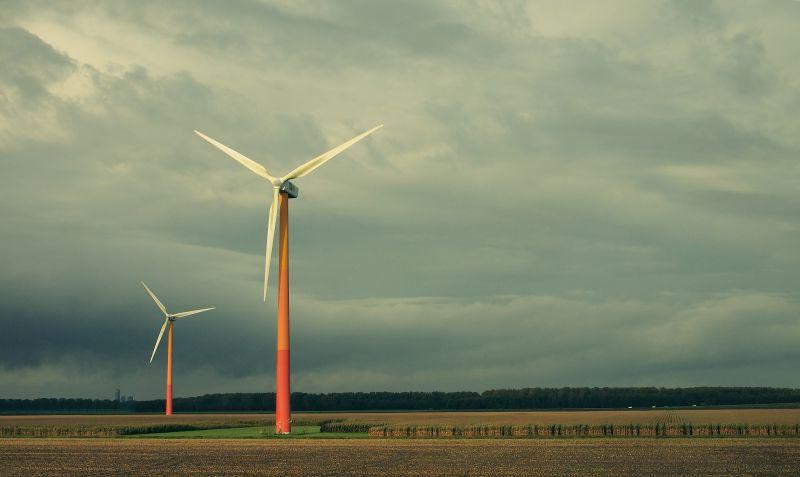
(291,190)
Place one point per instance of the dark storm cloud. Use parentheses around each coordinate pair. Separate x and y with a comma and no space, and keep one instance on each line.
(31,64)
(552,194)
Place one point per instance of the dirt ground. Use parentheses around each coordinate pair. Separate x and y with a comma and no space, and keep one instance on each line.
(628,416)
(585,457)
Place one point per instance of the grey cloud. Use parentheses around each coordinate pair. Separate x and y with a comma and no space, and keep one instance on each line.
(702,15)
(746,65)
(31,64)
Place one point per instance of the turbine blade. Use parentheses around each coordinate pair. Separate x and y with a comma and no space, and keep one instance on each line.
(309,166)
(158,340)
(155,299)
(273,212)
(240,158)
(188,313)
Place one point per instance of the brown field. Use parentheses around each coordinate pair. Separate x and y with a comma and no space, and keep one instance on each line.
(633,416)
(124,419)
(702,416)
(33,457)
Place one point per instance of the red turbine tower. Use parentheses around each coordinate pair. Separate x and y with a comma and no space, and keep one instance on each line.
(282,191)
(169,320)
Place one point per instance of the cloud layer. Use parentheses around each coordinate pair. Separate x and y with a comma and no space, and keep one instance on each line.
(564,193)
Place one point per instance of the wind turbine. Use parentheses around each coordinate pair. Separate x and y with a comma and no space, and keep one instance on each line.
(169,319)
(282,191)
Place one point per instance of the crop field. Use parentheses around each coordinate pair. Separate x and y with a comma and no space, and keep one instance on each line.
(32,457)
(628,416)
(340,444)
(125,419)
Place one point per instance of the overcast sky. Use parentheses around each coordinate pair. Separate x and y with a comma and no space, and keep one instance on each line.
(597,193)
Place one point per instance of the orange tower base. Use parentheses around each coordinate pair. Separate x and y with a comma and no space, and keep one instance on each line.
(169,371)
(283,414)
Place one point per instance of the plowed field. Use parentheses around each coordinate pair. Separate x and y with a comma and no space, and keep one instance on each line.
(588,457)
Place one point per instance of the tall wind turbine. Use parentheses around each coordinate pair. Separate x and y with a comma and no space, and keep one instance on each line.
(282,191)
(169,319)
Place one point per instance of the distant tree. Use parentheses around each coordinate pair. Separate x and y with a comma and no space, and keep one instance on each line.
(525,398)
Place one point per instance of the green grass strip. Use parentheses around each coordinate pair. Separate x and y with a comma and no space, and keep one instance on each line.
(298,432)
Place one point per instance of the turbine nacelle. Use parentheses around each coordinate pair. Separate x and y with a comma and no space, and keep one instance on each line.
(291,190)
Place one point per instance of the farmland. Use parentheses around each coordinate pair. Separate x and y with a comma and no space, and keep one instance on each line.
(618,423)
(627,416)
(30,457)
(242,444)
(262,432)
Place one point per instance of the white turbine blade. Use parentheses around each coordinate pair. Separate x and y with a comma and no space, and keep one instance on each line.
(155,299)
(158,340)
(322,159)
(240,158)
(193,312)
(273,213)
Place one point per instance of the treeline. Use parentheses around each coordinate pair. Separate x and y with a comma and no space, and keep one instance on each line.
(66,405)
(527,398)
(549,398)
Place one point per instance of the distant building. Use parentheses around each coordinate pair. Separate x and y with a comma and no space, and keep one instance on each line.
(130,398)
(117,396)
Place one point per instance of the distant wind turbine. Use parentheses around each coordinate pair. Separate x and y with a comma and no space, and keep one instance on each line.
(169,319)
(282,191)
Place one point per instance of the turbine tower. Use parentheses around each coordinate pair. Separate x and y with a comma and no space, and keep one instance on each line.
(169,319)
(282,191)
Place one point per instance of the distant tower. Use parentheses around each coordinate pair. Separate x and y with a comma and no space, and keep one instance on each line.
(117,396)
